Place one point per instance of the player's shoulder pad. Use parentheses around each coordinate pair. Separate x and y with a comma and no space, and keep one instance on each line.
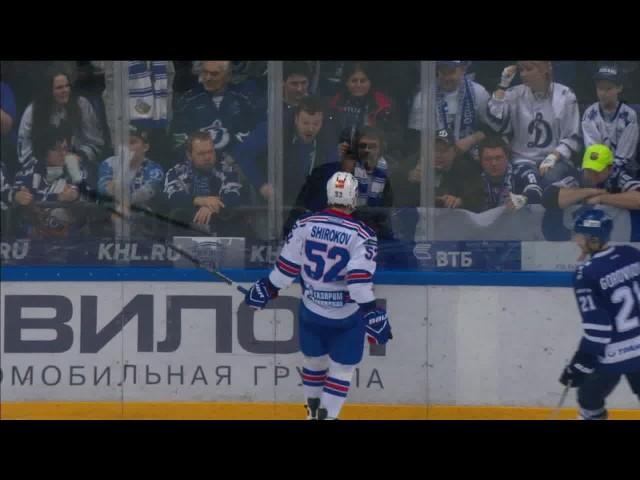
(582,272)
(301,219)
(628,250)
(370,232)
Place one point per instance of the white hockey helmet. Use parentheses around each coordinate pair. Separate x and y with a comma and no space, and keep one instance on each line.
(342,189)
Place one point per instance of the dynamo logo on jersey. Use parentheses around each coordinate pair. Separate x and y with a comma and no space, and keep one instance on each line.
(218,134)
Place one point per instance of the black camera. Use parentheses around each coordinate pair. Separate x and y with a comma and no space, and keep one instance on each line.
(351,135)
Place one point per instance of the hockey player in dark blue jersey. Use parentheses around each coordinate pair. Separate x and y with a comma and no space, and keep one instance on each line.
(607,289)
(335,257)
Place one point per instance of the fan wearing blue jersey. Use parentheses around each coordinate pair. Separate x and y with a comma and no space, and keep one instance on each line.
(607,289)
(335,257)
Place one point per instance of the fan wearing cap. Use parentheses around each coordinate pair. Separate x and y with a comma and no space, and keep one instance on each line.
(596,183)
(610,121)
(541,116)
(143,177)
(461,106)
(458,183)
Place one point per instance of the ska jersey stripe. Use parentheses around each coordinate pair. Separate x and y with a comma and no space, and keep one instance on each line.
(313,378)
(336,387)
(287,268)
(359,276)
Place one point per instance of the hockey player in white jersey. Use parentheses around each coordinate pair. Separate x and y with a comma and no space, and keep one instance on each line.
(607,291)
(611,122)
(335,257)
(542,117)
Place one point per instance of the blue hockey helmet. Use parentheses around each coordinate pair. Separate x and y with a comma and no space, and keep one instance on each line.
(594,223)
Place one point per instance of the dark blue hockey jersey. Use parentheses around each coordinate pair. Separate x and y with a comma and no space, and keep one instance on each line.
(519,179)
(607,290)
(183,183)
(227,117)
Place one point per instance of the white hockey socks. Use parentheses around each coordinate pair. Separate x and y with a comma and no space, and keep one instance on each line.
(314,374)
(336,388)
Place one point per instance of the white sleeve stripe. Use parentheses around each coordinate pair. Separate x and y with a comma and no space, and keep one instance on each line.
(597,339)
(595,326)
(583,290)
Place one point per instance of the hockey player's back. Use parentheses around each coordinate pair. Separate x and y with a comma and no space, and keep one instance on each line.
(613,275)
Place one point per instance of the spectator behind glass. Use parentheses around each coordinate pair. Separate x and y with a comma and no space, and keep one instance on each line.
(457,183)
(310,143)
(5,188)
(360,104)
(597,183)
(202,192)
(143,177)
(612,122)
(540,115)
(511,186)
(56,105)
(295,78)
(212,107)
(365,160)
(150,98)
(8,127)
(461,107)
(52,180)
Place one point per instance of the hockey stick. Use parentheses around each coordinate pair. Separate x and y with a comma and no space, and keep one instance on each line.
(199,264)
(176,249)
(563,397)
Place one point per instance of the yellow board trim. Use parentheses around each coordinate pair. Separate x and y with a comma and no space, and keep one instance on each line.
(270,411)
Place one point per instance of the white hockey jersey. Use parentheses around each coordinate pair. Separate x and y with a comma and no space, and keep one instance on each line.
(335,257)
(539,124)
(618,131)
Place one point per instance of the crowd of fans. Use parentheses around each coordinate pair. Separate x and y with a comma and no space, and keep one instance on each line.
(507,134)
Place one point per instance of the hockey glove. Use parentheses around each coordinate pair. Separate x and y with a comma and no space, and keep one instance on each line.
(581,365)
(377,327)
(260,293)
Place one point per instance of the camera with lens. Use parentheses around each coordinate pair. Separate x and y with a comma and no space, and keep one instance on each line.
(351,136)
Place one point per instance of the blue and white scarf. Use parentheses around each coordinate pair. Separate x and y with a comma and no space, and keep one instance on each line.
(370,187)
(465,118)
(496,195)
(148,93)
